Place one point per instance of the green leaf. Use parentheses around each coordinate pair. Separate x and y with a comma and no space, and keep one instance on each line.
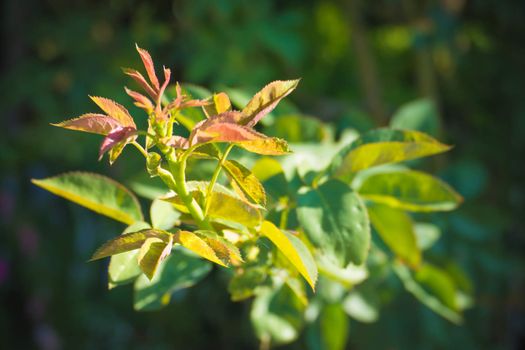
(421,115)
(180,270)
(397,231)
(294,250)
(410,190)
(359,307)
(428,298)
(246,282)
(277,315)
(246,181)
(334,327)
(224,205)
(124,268)
(129,241)
(163,215)
(271,174)
(96,192)
(336,222)
(383,146)
(266,100)
(152,252)
(426,235)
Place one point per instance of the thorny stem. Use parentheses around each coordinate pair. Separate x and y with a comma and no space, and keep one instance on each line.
(214,178)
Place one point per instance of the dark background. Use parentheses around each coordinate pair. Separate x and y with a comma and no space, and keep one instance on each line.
(359,61)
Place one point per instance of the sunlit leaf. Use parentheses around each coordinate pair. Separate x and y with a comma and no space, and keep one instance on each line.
(409,190)
(139,79)
(266,100)
(199,246)
(115,142)
(383,146)
(180,270)
(336,222)
(220,104)
(93,123)
(397,231)
(152,252)
(148,64)
(141,101)
(129,241)
(115,111)
(96,192)
(271,174)
(246,181)
(124,267)
(294,250)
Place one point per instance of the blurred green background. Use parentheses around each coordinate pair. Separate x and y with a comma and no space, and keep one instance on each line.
(359,61)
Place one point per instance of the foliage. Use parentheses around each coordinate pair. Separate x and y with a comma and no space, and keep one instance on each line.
(274,228)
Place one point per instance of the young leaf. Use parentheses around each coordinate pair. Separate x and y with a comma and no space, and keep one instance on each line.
(124,268)
(180,270)
(91,122)
(141,101)
(129,241)
(152,252)
(336,222)
(96,192)
(383,146)
(221,103)
(115,111)
(115,141)
(397,231)
(139,79)
(245,137)
(266,100)
(245,181)
(409,190)
(294,250)
(148,64)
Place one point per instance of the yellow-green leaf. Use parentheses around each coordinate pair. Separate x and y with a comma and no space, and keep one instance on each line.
(294,250)
(410,190)
(246,181)
(383,146)
(152,252)
(221,103)
(96,192)
(397,231)
(124,268)
(129,241)
(266,100)
(191,241)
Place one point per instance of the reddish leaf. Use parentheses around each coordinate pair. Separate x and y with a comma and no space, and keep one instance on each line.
(115,111)
(167,75)
(148,64)
(177,142)
(266,100)
(118,136)
(141,101)
(139,78)
(91,122)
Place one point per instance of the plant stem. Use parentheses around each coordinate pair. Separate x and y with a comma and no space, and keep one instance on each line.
(214,178)
(140,148)
(178,169)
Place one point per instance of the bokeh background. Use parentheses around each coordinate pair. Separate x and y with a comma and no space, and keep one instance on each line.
(359,61)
